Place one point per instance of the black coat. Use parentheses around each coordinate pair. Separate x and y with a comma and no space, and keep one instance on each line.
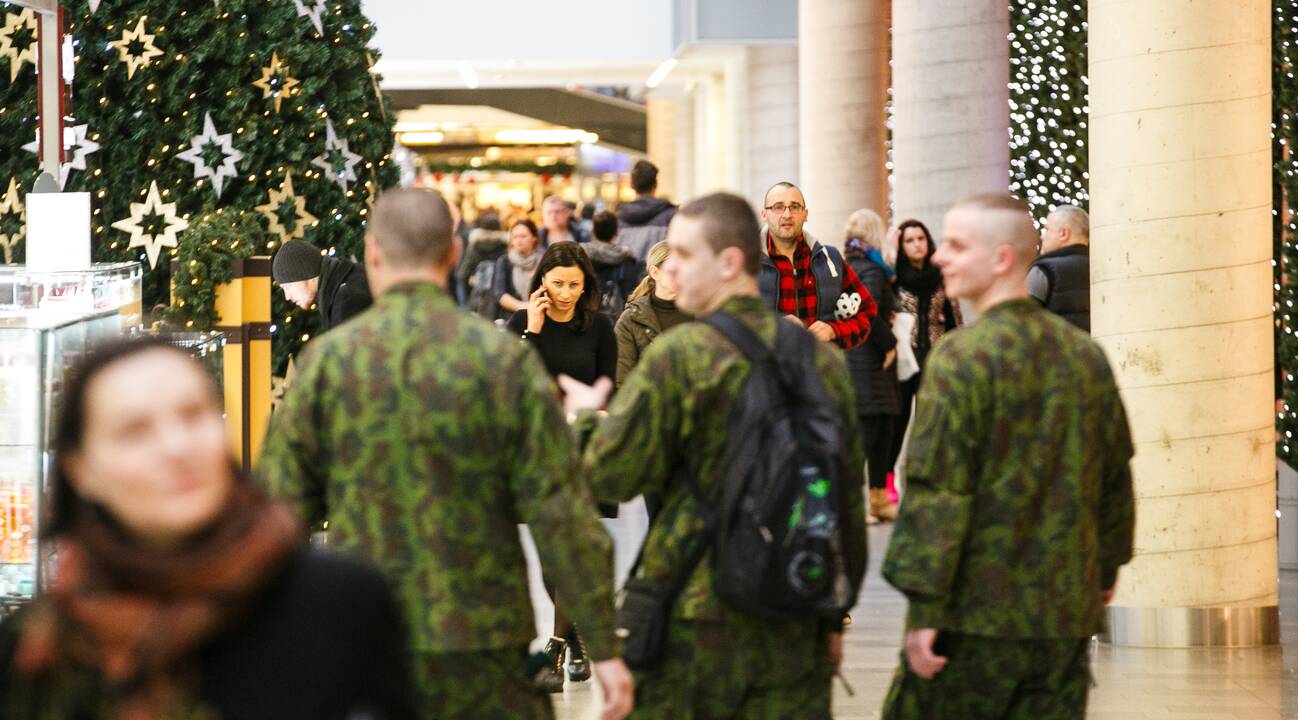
(326,641)
(876,388)
(344,292)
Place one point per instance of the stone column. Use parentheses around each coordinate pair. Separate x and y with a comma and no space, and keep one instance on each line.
(685,156)
(951,105)
(660,120)
(773,117)
(1180,165)
(843,91)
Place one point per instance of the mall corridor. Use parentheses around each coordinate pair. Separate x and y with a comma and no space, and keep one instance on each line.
(333,333)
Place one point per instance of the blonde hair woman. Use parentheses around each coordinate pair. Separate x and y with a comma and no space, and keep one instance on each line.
(873,363)
(650,311)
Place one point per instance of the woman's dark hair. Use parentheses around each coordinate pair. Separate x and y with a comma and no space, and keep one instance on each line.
(488,221)
(531,226)
(70,421)
(571,254)
(928,237)
(604,226)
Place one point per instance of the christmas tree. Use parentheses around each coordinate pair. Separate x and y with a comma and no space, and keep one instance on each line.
(265,107)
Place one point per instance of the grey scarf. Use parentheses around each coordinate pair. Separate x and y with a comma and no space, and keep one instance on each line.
(524,268)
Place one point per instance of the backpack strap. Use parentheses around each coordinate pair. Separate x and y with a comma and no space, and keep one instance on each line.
(740,335)
(756,351)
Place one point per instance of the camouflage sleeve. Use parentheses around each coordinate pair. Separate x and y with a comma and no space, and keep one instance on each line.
(855,541)
(289,460)
(551,497)
(1117,505)
(928,540)
(630,452)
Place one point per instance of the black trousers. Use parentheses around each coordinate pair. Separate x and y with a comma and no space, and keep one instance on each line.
(909,389)
(877,432)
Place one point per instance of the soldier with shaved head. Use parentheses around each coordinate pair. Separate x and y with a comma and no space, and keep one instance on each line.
(1019,509)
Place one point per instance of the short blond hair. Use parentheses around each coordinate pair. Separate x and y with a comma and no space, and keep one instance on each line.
(866,226)
(1010,222)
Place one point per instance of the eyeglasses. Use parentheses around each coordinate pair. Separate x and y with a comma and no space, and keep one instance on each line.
(780,208)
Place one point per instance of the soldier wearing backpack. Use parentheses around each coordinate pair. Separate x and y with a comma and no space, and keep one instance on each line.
(745,425)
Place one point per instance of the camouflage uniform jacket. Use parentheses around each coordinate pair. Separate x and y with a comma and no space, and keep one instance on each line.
(671,417)
(1019,509)
(424,436)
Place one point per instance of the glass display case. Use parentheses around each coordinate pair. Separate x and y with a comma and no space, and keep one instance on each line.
(47,323)
(208,348)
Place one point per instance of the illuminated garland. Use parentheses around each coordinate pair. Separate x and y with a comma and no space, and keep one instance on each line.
(1284,36)
(1048,103)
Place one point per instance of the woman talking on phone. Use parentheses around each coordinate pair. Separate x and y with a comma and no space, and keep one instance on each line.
(562,320)
(562,317)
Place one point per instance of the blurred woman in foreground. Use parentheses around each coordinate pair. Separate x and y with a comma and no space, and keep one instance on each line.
(180,590)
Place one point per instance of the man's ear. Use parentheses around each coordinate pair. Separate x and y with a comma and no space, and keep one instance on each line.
(1004,260)
(732,263)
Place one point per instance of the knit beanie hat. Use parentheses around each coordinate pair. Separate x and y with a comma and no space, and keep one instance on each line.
(296,260)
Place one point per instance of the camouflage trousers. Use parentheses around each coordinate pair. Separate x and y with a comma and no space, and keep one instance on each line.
(996,679)
(487,685)
(738,669)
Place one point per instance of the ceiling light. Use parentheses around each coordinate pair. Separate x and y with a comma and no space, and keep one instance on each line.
(661,73)
(409,127)
(546,137)
(422,138)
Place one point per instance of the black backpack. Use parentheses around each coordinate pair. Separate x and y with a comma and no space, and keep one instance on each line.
(775,535)
(777,548)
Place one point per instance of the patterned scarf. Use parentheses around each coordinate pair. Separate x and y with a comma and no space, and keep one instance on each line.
(134,613)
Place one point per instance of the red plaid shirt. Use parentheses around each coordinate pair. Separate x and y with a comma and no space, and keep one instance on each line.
(797,294)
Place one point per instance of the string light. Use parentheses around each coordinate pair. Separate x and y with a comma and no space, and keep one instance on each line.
(1284,133)
(1048,103)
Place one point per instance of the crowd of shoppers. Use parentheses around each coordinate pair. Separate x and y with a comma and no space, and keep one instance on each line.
(421,437)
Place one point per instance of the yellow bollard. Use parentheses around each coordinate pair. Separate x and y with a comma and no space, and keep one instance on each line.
(243,316)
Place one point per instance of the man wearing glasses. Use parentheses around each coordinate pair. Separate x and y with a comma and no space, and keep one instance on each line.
(810,281)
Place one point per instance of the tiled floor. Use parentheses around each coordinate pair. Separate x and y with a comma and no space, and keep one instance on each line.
(1257,684)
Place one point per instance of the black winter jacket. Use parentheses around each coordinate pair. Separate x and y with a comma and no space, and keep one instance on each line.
(876,388)
(344,292)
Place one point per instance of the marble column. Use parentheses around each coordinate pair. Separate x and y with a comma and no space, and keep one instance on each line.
(1180,164)
(951,105)
(843,90)
(686,160)
(773,117)
(661,115)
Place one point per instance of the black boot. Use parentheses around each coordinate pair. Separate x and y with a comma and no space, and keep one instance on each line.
(550,677)
(578,661)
